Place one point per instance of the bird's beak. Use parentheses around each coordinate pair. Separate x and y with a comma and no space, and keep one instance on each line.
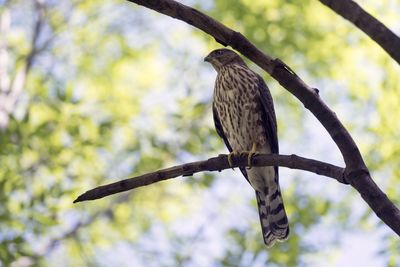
(207,59)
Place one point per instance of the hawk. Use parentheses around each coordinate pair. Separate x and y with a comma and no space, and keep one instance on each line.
(244,118)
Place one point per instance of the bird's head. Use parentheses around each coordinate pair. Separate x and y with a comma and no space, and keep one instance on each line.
(222,57)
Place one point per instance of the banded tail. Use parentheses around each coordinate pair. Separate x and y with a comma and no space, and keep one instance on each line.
(274,222)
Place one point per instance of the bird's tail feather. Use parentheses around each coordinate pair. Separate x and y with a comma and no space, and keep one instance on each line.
(274,222)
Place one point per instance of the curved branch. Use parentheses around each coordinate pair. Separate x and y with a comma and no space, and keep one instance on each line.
(275,67)
(216,164)
(356,171)
(372,27)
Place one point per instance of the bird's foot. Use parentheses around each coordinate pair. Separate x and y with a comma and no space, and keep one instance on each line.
(252,152)
(230,155)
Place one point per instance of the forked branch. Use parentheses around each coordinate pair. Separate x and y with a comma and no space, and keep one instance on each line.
(356,172)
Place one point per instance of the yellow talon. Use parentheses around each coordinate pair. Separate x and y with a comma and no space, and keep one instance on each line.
(233,153)
(252,152)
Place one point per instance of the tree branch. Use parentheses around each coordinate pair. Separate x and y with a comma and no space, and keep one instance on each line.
(375,29)
(275,67)
(356,172)
(216,164)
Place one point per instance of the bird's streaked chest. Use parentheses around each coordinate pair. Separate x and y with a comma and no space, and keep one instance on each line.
(236,86)
(236,99)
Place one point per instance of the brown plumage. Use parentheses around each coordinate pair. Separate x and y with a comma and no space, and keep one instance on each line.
(244,116)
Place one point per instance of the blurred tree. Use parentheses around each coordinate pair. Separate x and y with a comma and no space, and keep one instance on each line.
(90,91)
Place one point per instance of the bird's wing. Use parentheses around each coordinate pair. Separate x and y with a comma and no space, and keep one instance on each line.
(219,128)
(268,116)
(273,217)
(221,133)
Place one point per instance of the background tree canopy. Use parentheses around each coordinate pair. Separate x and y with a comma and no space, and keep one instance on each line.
(92,91)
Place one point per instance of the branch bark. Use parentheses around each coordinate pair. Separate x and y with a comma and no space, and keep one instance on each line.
(275,67)
(216,164)
(356,172)
(375,29)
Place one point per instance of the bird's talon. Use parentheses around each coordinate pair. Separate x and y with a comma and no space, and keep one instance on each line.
(252,152)
(249,160)
(230,159)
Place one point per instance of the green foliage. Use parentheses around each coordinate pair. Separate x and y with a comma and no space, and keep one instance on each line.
(116,90)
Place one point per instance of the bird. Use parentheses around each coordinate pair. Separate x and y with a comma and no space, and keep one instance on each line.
(245,119)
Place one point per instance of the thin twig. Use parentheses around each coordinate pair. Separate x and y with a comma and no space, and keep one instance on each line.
(216,164)
(372,27)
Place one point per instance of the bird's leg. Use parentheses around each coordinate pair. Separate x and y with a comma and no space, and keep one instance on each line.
(233,153)
(252,152)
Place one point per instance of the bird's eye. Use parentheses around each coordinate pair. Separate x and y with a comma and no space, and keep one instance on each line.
(218,52)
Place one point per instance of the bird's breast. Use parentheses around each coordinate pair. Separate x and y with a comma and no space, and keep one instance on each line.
(236,98)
